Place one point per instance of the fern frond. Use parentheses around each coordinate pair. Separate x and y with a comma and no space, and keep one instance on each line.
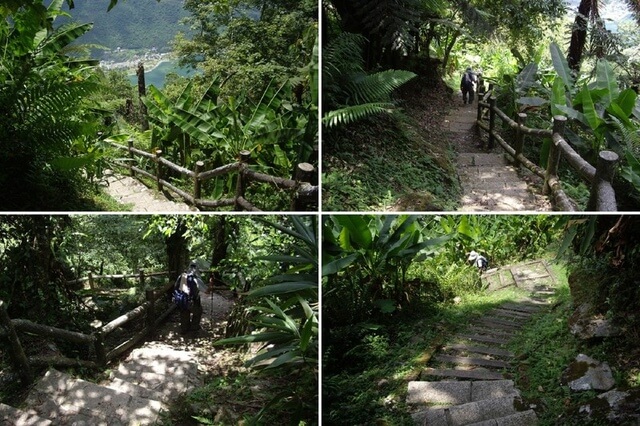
(377,87)
(630,137)
(353,113)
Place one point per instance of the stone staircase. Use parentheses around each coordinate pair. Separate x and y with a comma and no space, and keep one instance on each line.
(136,392)
(466,382)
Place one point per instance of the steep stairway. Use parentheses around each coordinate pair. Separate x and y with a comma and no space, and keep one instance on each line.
(136,392)
(466,381)
(489,182)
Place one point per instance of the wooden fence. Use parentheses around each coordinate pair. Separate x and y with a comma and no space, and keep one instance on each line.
(602,195)
(304,195)
(9,328)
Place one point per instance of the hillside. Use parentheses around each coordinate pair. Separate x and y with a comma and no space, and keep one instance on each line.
(132,24)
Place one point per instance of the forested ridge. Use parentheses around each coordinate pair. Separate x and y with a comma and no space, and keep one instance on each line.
(134,24)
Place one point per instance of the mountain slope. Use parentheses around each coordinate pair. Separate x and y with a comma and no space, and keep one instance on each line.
(131,24)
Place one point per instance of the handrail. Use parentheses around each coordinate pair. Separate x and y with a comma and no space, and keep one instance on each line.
(602,195)
(23,364)
(301,199)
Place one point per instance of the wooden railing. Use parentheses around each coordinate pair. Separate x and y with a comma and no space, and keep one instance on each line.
(140,276)
(304,195)
(602,195)
(9,328)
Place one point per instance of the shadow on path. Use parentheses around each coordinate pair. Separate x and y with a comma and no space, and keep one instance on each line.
(489,182)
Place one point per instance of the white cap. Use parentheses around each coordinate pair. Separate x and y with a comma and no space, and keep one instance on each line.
(473,255)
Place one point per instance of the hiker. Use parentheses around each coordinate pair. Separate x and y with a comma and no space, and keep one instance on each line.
(468,85)
(186,296)
(479,261)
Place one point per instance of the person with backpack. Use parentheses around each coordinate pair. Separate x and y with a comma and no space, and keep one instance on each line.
(478,261)
(186,296)
(468,85)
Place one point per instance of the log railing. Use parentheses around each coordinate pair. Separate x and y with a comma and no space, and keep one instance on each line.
(9,329)
(602,195)
(304,195)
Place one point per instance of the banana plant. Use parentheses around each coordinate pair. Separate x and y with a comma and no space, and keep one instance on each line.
(611,114)
(375,253)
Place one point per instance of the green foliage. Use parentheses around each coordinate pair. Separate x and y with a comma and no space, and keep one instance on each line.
(286,321)
(45,126)
(249,42)
(365,259)
(351,93)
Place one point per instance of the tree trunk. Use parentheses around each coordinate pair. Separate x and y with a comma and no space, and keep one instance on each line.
(177,253)
(579,34)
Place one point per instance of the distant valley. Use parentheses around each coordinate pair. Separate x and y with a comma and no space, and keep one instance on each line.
(142,25)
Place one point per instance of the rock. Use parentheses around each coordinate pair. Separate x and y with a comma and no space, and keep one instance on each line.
(585,325)
(613,407)
(586,373)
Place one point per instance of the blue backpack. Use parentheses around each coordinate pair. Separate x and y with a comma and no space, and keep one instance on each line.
(184,299)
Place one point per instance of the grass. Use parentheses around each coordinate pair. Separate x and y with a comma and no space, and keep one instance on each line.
(545,348)
(368,384)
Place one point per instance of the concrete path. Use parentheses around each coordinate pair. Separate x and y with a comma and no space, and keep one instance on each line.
(488,182)
(466,382)
(127,190)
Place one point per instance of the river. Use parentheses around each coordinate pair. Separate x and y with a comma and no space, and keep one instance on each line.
(157,74)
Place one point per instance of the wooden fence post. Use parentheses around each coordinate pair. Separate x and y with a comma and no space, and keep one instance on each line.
(479,114)
(559,122)
(304,174)
(602,196)
(520,118)
(92,284)
(492,120)
(141,277)
(158,169)
(151,310)
(197,185)
(240,184)
(130,145)
(21,364)
(101,352)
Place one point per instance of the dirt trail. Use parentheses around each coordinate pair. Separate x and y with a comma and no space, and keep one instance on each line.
(489,182)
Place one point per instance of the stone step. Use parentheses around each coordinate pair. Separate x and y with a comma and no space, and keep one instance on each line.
(521,307)
(463,374)
(67,400)
(461,360)
(466,414)
(480,350)
(10,416)
(135,390)
(522,418)
(498,323)
(161,368)
(484,339)
(458,392)
(516,316)
(480,329)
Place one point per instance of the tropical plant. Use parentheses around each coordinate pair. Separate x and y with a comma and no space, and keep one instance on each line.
(45,129)
(609,113)
(285,319)
(350,93)
(365,260)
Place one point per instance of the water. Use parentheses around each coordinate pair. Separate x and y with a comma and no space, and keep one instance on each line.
(157,75)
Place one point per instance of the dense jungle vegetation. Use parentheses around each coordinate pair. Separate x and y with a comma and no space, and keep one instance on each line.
(41,257)
(387,70)
(256,90)
(395,287)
